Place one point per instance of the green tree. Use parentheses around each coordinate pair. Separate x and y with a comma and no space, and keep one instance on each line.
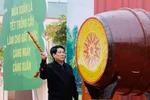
(71,48)
(71,44)
(57,31)
(2,53)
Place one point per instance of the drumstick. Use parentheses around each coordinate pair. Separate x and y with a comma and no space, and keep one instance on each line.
(35,42)
(39,48)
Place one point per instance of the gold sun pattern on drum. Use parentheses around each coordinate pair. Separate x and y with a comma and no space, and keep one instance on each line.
(91,51)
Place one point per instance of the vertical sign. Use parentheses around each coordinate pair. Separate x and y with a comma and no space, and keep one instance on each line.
(21,57)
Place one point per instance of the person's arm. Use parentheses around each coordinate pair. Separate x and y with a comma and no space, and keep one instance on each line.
(43,66)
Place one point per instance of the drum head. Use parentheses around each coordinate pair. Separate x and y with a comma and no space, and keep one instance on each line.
(91,50)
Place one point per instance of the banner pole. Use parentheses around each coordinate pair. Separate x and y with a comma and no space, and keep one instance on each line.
(36,94)
(33,95)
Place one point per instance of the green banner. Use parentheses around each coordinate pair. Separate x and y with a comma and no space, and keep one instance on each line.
(21,56)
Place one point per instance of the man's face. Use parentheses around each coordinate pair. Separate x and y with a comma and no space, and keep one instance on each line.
(60,55)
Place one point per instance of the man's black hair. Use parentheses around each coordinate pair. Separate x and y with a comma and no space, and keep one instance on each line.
(53,50)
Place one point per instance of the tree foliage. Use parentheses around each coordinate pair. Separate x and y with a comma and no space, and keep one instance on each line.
(71,44)
(57,31)
(2,53)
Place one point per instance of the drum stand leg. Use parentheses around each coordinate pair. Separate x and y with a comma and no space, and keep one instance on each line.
(102,93)
(147,96)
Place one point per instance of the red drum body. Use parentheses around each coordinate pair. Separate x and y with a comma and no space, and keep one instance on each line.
(116,43)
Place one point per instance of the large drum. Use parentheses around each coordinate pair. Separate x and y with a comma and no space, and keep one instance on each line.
(116,43)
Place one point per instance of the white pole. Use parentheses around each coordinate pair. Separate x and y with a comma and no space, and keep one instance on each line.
(1,88)
(36,92)
(5,96)
(33,95)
